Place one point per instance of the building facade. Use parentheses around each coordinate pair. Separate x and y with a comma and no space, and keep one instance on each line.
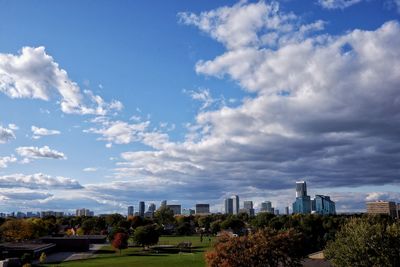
(141,208)
(266,206)
(323,205)
(202,208)
(382,207)
(236,205)
(131,211)
(229,206)
(176,209)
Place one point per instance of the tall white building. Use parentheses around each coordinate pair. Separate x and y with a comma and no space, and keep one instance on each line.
(236,205)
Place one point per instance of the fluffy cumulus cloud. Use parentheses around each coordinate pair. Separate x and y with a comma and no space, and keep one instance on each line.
(34,74)
(31,152)
(324,108)
(4,161)
(121,132)
(38,181)
(7,133)
(39,132)
(337,4)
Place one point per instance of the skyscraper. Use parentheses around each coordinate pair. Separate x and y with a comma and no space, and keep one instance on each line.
(266,206)
(152,207)
(287,210)
(141,208)
(229,206)
(130,211)
(301,189)
(248,207)
(236,205)
(163,203)
(303,201)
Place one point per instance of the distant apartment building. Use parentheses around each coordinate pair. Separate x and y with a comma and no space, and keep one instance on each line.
(202,208)
(286,210)
(176,209)
(131,211)
(163,203)
(382,207)
(84,212)
(152,207)
(229,206)
(323,205)
(141,208)
(188,212)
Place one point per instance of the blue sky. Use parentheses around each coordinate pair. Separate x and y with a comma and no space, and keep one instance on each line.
(106,103)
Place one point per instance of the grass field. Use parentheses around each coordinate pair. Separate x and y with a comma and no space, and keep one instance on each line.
(135,256)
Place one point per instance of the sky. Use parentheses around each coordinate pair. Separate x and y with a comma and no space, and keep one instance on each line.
(107,103)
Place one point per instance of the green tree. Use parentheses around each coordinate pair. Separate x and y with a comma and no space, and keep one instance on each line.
(146,235)
(164,215)
(365,242)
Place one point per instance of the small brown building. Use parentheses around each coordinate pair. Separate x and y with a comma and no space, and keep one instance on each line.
(382,207)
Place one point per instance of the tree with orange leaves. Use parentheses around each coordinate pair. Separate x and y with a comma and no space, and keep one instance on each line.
(263,248)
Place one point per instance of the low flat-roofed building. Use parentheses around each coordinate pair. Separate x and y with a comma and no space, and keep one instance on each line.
(17,249)
(382,207)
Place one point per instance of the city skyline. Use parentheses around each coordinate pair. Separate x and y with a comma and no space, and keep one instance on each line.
(104,104)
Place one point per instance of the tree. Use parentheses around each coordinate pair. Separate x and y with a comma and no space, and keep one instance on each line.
(146,235)
(17,230)
(120,241)
(266,247)
(365,242)
(164,215)
(43,257)
(233,223)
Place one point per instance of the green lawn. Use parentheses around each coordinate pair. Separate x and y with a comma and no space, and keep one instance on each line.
(137,257)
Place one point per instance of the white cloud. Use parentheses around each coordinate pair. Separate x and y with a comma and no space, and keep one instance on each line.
(4,161)
(202,95)
(38,181)
(323,107)
(35,74)
(7,134)
(90,169)
(39,132)
(337,4)
(39,152)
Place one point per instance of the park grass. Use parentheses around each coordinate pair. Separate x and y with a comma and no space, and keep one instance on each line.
(135,256)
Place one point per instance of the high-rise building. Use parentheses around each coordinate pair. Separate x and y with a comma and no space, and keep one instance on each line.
(248,207)
(301,189)
(229,206)
(266,206)
(152,207)
(236,205)
(141,208)
(84,212)
(303,201)
(287,210)
(130,211)
(276,211)
(175,208)
(382,207)
(323,205)
(202,208)
(163,203)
